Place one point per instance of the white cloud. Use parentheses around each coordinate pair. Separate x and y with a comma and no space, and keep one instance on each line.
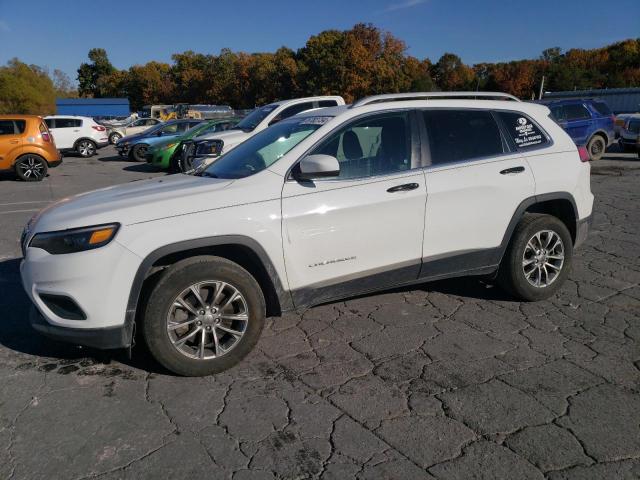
(402,5)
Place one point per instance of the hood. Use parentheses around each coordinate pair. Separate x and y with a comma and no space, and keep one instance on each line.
(133,202)
(229,137)
(140,136)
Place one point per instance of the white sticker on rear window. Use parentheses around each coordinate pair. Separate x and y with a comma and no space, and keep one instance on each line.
(523,131)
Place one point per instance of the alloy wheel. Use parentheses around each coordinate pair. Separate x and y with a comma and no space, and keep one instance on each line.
(543,258)
(207,319)
(86,148)
(31,167)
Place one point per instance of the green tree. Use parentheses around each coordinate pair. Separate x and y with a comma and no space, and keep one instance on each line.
(25,89)
(91,74)
(62,85)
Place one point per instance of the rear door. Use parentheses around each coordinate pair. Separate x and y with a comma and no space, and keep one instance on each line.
(579,124)
(10,142)
(65,131)
(475,182)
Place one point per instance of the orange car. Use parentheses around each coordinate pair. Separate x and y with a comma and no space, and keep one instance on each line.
(26,147)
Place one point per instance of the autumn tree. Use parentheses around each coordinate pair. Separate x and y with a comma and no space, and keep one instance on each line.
(62,85)
(450,73)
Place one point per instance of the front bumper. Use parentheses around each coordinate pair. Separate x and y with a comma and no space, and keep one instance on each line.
(97,281)
(102,338)
(123,150)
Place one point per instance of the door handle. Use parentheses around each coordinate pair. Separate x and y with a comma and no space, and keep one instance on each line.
(403,188)
(508,171)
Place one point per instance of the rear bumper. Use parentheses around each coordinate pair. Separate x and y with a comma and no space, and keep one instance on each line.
(102,338)
(583,226)
(55,163)
(103,144)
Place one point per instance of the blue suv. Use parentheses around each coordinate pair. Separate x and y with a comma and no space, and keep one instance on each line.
(588,122)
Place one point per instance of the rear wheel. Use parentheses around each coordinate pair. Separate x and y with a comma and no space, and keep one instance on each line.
(31,168)
(86,148)
(538,258)
(139,152)
(596,147)
(204,316)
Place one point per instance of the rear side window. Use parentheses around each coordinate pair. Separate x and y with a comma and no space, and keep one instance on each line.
(602,108)
(575,111)
(459,135)
(327,103)
(7,127)
(291,111)
(21,125)
(523,131)
(68,122)
(50,122)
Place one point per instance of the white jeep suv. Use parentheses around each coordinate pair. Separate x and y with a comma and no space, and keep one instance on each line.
(77,134)
(392,190)
(203,150)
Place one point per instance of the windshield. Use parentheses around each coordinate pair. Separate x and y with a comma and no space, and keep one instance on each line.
(264,149)
(252,120)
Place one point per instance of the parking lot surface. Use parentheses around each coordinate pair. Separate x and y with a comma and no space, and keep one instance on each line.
(448,379)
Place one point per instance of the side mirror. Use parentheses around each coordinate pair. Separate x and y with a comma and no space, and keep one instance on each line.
(318,166)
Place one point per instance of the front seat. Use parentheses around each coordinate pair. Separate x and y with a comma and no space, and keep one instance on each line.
(352,151)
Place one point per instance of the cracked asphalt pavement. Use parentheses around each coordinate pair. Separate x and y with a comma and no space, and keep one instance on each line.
(444,380)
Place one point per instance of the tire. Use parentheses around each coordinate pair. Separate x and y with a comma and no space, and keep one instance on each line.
(513,274)
(596,147)
(114,137)
(31,168)
(192,358)
(86,148)
(138,152)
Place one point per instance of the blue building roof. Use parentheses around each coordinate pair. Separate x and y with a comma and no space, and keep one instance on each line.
(92,101)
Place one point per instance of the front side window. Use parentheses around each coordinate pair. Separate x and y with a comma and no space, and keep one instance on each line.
(170,129)
(524,132)
(264,149)
(291,111)
(460,135)
(251,121)
(376,145)
(575,111)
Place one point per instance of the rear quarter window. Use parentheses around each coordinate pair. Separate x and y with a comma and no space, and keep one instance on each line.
(602,108)
(524,132)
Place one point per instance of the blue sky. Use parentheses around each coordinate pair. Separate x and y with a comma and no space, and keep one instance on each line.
(58,34)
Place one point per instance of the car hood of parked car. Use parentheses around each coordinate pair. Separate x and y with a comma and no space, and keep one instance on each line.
(144,136)
(135,202)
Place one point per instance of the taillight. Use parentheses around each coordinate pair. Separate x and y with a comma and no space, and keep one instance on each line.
(46,137)
(584,154)
(99,128)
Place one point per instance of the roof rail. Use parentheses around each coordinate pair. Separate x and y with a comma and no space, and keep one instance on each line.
(398,97)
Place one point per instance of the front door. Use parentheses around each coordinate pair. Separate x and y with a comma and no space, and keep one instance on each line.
(363,229)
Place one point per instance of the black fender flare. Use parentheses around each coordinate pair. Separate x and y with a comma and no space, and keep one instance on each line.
(284,296)
(522,208)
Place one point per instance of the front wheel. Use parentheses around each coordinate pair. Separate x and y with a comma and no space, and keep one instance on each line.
(114,137)
(86,148)
(596,147)
(203,316)
(538,258)
(139,152)
(31,168)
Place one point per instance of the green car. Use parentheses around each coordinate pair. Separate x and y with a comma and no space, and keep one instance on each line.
(165,155)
